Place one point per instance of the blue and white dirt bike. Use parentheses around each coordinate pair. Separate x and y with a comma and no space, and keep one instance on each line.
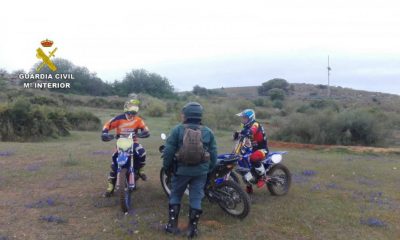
(127,175)
(277,176)
(220,188)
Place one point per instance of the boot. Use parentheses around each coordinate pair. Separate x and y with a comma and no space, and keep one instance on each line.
(172,226)
(142,175)
(110,187)
(260,170)
(194,216)
(249,189)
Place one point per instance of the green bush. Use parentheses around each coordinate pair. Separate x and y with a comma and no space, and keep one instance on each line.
(220,117)
(277,104)
(273,83)
(42,100)
(323,104)
(242,104)
(156,108)
(262,114)
(303,108)
(23,122)
(85,121)
(70,101)
(352,127)
(98,103)
(104,103)
(276,94)
(262,102)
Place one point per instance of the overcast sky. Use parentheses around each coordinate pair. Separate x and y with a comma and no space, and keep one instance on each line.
(213,43)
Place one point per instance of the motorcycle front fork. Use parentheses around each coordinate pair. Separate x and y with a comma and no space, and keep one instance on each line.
(131,176)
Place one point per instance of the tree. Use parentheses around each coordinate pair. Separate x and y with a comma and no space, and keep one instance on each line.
(273,83)
(3,75)
(276,94)
(141,81)
(200,91)
(84,82)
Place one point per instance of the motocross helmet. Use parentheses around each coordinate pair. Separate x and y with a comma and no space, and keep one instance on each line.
(249,114)
(131,107)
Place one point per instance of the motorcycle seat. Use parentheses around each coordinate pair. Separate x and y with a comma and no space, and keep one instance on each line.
(227,159)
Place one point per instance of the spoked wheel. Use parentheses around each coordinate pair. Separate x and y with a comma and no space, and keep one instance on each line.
(166,183)
(124,193)
(234,177)
(280,181)
(232,199)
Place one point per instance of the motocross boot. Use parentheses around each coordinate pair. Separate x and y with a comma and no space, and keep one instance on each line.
(194,216)
(142,175)
(110,187)
(249,189)
(173,215)
(260,170)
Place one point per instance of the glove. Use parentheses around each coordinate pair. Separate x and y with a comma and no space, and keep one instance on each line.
(235,135)
(105,137)
(143,134)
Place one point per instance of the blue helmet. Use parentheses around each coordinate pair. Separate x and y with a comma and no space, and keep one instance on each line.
(249,113)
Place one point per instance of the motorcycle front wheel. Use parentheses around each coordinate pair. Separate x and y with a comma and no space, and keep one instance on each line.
(124,193)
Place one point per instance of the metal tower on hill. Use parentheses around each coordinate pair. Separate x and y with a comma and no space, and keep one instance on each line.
(329,73)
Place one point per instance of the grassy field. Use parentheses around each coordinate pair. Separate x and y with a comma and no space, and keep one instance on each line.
(52,190)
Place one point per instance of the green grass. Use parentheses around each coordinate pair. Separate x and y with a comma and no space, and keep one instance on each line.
(347,189)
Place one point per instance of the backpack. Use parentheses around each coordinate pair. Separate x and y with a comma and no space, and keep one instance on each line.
(192,151)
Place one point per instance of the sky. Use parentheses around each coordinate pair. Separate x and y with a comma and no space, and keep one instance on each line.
(213,43)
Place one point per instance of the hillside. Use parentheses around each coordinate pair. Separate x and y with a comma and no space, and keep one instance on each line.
(55,186)
(308,92)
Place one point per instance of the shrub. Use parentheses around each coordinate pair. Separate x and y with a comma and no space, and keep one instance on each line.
(242,104)
(262,114)
(303,109)
(273,83)
(70,101)
(156,108)
(276,94)
(42,100)
(360,127)
(85,121)
(259,102)
(323,103)
(97,102)
(220,117)
(103,103)
(277,104)
(353,127)
(23,122)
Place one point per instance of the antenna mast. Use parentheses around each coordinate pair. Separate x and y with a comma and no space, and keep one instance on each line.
(329,73)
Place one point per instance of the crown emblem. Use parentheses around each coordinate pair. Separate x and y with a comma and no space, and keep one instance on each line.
(46,43)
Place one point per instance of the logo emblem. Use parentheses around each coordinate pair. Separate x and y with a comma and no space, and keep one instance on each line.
(46,58)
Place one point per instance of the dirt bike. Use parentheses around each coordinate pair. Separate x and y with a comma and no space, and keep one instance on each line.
(277,176)
(127,175)
(219,187)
